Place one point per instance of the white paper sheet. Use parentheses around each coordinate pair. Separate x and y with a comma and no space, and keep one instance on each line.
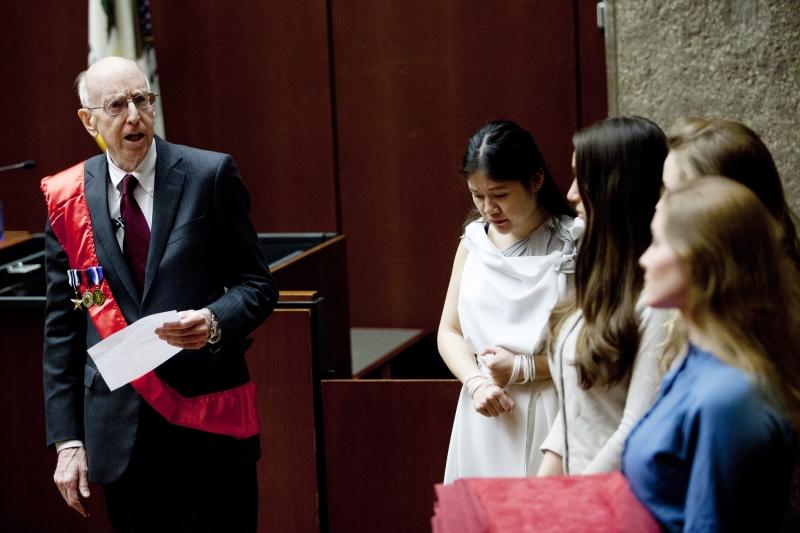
(133,351)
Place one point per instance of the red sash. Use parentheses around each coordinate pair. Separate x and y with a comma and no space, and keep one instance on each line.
(231,412)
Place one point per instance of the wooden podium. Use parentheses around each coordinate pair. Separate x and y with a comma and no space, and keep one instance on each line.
(318,262)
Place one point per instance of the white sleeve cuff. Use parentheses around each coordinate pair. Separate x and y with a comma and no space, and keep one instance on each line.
(64,444)
(554,442)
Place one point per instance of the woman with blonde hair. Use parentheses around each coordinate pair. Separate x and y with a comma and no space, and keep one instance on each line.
(717,147)
(715,451)
(701,147)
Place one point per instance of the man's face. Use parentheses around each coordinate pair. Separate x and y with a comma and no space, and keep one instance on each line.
(129,134)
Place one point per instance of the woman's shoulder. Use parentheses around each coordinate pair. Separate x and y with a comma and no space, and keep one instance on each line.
(560,233)
(724,386)
(478,226)
(566,227)
(474,232)
(725,392)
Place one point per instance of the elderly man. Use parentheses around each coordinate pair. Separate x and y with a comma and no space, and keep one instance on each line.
(148,227)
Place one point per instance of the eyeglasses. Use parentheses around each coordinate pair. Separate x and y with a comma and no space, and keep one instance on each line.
(115,106)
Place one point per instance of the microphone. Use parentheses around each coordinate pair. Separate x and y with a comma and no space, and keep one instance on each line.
(118,223)
(30,163)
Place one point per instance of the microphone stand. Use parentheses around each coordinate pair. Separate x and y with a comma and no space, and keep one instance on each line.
(30,163)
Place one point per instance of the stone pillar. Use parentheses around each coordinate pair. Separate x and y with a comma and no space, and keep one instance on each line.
(735,59)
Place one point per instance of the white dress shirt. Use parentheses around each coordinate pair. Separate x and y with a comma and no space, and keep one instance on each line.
(145,173)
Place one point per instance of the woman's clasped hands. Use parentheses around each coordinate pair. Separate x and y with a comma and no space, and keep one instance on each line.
(487,398)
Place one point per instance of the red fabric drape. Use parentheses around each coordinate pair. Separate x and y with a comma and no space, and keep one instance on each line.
(601,503)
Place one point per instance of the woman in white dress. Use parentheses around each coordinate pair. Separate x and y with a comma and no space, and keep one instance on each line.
(605,344)
(513,264)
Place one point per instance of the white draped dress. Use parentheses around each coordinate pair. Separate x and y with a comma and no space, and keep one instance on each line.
(505,300)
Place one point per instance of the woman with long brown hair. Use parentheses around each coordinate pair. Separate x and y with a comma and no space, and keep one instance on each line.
(715,451)
(605,344)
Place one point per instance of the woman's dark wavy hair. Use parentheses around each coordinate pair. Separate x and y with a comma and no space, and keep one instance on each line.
(618,166)
(505,151)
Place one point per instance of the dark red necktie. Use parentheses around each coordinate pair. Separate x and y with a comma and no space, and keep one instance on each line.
(137,233)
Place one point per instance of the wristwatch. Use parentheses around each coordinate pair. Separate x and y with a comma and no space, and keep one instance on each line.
(214,330)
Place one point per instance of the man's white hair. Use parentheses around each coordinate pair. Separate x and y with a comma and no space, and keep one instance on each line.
(83,88)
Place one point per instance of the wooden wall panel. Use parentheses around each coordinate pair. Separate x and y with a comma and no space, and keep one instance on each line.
(42,49)
(253,79)
(385,447)
(413,82)
(235,77)
(281,365)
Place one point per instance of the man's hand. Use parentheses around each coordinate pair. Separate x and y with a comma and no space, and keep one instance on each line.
(500,363)
(490,400)
(72,478)
(190,332)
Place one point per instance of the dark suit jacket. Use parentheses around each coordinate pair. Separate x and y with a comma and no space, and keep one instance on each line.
(203,252)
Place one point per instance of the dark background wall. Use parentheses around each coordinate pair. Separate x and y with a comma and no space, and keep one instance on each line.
(342,116)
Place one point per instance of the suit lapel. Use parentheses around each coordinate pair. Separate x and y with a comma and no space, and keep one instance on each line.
(166,195)
(108,250)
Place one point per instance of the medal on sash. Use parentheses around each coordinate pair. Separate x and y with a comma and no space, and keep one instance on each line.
(90,296)
(95,275)
(87,300)
(74,277)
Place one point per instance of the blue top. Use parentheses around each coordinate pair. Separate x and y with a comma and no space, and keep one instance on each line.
(712,454)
